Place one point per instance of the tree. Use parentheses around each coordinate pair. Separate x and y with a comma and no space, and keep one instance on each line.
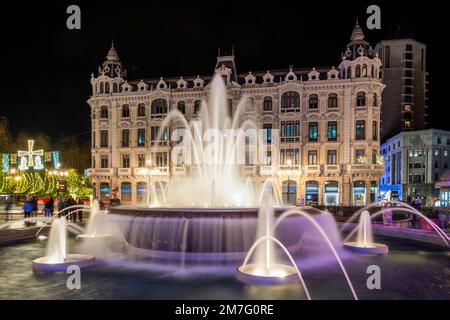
(75,152)
(41,141)
(5,136)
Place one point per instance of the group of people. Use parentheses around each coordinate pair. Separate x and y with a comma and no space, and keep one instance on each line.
(71,213)
(30,208)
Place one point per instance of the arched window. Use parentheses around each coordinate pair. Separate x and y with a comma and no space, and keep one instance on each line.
(349,72)
(181,106)
(115,87)
(141,193)
(159,106)
(332,100)
(197,106)
(125,191)
(361,99)
(125,111)
(102,87)
(267,104)
(107,86)
(104,191)
(358,71)
(372,71)
(250,104)
(375,100)
(141,110)
(104,112)
(313,101)
(364,70)
(290,101)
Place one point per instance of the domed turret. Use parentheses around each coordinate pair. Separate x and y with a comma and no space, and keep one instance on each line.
(112,67)
(357,46)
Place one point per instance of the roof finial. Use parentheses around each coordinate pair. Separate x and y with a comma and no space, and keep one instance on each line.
(357,21)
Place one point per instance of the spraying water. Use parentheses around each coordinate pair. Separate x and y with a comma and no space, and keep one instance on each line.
(365,234)
(56,246)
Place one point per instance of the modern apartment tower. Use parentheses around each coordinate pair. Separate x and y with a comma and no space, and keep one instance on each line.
(405,96)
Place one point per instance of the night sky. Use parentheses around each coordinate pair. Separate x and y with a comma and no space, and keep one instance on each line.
(45,68)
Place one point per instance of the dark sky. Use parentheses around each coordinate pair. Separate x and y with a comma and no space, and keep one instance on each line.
(45,68)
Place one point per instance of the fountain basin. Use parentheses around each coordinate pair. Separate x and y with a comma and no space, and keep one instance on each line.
(370,248)
(90,237)
(45,264)
(279,274)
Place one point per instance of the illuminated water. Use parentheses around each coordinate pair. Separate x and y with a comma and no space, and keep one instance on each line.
(411,270)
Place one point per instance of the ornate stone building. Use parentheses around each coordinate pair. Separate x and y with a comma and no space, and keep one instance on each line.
(328,120)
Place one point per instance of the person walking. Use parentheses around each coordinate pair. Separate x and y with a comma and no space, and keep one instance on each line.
(27,208)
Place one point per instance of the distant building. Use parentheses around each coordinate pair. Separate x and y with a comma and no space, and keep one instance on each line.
(406,79)
(328,119)
(413,162)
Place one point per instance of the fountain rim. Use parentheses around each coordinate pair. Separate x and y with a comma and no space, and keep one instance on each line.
(372,248)
(81,260)
(243,275)
(200,212)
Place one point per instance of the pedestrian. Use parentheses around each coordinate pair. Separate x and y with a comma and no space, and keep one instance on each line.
(73,215)
(61,206)
(27,208)
(8,207)
(49,207)
(34,204)
(80,212)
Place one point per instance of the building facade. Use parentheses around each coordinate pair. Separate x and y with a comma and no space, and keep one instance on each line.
(405,97)
(413,162)
(329,122)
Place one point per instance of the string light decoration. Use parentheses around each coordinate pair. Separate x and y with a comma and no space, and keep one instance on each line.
(43,183)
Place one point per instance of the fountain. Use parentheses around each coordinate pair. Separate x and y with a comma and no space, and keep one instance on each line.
(57,259)
(364,241)
(265,270)
(96,225)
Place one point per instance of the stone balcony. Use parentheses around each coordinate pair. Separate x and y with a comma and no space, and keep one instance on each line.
(124,172)
(248,170)
(100,172)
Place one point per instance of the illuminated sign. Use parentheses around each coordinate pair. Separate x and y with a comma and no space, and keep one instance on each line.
(61,185)
(31,159)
